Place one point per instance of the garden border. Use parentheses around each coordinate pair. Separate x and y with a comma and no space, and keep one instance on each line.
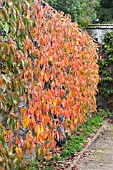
(76,159)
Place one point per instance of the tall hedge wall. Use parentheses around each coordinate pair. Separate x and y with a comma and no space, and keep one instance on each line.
(48,78)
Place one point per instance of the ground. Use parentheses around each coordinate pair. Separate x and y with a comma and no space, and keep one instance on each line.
(99,156)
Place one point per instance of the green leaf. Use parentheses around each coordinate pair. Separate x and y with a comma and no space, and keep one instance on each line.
(6,27)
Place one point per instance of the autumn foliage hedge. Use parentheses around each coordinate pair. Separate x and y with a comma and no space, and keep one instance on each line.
(48,77)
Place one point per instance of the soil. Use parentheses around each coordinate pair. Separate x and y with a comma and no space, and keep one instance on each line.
(99,155)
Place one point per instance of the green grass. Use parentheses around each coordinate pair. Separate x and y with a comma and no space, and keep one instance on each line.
(74,143)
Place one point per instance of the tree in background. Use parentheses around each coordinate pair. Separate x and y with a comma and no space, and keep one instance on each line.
(105,13)
(82,11)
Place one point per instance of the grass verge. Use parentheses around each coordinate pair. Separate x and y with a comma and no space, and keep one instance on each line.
(74,143)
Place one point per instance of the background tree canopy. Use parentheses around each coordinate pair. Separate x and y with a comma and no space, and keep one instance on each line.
(82,11)
(85,12)
(105,12)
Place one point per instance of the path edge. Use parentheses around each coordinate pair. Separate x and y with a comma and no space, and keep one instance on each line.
(75,161)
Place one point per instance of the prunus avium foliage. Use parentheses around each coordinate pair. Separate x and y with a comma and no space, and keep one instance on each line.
(48,78)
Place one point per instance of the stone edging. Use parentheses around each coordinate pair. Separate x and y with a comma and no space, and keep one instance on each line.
(75,161)
(100,26)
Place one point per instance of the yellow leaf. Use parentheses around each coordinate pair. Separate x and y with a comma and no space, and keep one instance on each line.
(42,129)
(67,50)
(54,103)
(25,122)
(39,151)
(37,129)
(3,57)
(75,120)
(19,151)
(23,110)
(50,58)
(72,126)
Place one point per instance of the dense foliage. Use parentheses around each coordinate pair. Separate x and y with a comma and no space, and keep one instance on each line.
(82,11)
(85,12)
(48,79)
(106,72)
(105,11)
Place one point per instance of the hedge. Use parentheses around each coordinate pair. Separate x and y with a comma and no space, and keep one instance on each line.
(48,78)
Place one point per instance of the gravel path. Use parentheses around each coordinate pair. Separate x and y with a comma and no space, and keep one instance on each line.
(99,156)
